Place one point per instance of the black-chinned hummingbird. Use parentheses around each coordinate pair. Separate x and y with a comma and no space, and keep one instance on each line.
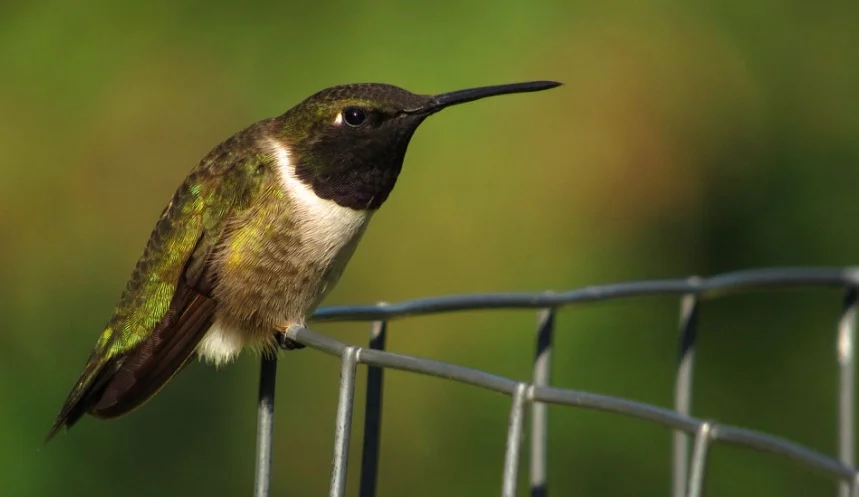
(255,237)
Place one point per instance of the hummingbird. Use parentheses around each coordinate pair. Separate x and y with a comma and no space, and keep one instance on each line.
(254,238)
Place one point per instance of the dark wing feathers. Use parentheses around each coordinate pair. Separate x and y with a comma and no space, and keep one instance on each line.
(167,306)
(147,368)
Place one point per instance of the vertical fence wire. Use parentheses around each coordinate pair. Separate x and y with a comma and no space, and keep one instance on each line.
(373,416)
(846,385)
(683,389)
(510,478)
(343,430)
(265,426)
(540,411)
(699,460)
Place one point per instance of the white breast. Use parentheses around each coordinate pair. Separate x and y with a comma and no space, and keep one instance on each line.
(326,227)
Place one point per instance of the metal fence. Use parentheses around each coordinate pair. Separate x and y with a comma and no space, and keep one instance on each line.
(688,473)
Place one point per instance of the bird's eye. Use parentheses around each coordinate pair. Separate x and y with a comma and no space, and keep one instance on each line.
(354,116)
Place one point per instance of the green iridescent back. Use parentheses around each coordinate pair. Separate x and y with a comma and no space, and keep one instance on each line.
(222,186)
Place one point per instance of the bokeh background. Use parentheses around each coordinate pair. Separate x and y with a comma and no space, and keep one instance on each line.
(688,138)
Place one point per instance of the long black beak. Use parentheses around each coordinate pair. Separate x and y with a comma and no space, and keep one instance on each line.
(443,100)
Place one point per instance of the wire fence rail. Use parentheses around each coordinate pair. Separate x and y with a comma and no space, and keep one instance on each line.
(688,473)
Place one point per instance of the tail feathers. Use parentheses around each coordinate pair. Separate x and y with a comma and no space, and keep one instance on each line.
(90,385)
(124,383)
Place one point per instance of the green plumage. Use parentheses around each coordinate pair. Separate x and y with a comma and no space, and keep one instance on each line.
(177,256)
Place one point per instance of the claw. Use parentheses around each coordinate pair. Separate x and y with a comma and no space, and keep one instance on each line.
(286,343)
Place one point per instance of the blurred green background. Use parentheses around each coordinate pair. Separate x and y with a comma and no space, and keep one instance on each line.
(687,139)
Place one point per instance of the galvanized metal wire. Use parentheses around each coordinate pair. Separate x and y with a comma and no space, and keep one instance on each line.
(688,473)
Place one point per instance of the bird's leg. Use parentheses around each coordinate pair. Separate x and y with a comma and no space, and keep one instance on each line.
(284,342)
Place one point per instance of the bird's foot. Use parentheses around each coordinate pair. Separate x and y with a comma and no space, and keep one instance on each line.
(286,343)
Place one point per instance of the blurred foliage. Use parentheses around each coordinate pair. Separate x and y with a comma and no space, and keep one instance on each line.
(688,138)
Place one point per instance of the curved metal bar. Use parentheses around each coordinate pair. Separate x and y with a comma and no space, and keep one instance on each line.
(683,390)
(373,417)
(265,426)
(542,376)
(705,288)
(846,351)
